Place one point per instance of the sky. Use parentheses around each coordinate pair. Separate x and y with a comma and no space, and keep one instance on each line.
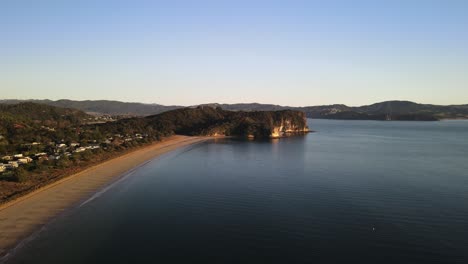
(294,53)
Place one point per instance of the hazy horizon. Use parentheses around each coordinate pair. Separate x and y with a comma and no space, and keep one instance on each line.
(294,53)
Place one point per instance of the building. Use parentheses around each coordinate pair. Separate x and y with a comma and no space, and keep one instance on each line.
(25,160)
(80,149)
(2,167)
(13,164)
(43,158)
(74,144)
(18,156)
(7,158)
(22,161)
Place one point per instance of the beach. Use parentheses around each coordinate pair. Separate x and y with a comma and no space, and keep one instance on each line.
(22,217)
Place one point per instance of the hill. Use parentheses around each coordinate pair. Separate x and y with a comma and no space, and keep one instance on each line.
(103,106)
(209,121)
(32,115)
(25,123)
(388,110)
(392,110)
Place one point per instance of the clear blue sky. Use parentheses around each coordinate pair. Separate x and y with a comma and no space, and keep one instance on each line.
(191,52)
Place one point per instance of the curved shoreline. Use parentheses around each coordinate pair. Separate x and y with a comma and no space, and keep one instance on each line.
(23,216)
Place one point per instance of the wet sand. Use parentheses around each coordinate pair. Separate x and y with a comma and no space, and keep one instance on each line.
(23,216)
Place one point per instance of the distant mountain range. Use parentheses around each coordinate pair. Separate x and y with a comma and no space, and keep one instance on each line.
(389,110)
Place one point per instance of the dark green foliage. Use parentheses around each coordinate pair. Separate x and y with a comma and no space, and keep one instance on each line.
(32,113)
(20,175)
(24,123)
(216,121)
(203,121)
(63,162)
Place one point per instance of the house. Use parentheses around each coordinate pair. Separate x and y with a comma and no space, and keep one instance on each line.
(40,154)
(18,156)
(80,149)
(61,145)
(43,158)
(74,144)
(31,144)
(48,128)
(13,164)
(2,168)
(8,166)
(22,161)
(7,158)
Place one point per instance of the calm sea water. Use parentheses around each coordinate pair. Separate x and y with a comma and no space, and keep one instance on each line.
(353,192)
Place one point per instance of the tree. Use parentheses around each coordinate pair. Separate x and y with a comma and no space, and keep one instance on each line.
(20,175)
(62,162)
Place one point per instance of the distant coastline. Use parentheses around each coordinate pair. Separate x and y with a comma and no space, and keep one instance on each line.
(394,110)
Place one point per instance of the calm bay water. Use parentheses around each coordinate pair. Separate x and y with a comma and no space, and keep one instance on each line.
(353,192)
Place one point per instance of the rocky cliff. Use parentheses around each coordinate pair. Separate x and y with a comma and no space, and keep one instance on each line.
(211,121)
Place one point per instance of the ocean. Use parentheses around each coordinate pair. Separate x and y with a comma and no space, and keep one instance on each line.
(351,192)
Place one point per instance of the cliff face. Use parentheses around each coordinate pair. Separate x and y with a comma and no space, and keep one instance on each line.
(210,121)
(287,126)
(275,124)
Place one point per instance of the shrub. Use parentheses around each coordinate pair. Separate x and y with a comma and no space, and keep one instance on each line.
(20,175)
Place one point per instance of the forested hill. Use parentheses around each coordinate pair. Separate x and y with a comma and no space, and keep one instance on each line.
(103,106)
(29,122)
(32,114)
(204,120)
(25,123)
(389,110)
(209,121)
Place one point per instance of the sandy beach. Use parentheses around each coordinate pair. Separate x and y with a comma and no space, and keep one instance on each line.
(23,216)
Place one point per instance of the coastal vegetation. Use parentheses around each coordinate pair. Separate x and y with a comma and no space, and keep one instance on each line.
(209,121)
